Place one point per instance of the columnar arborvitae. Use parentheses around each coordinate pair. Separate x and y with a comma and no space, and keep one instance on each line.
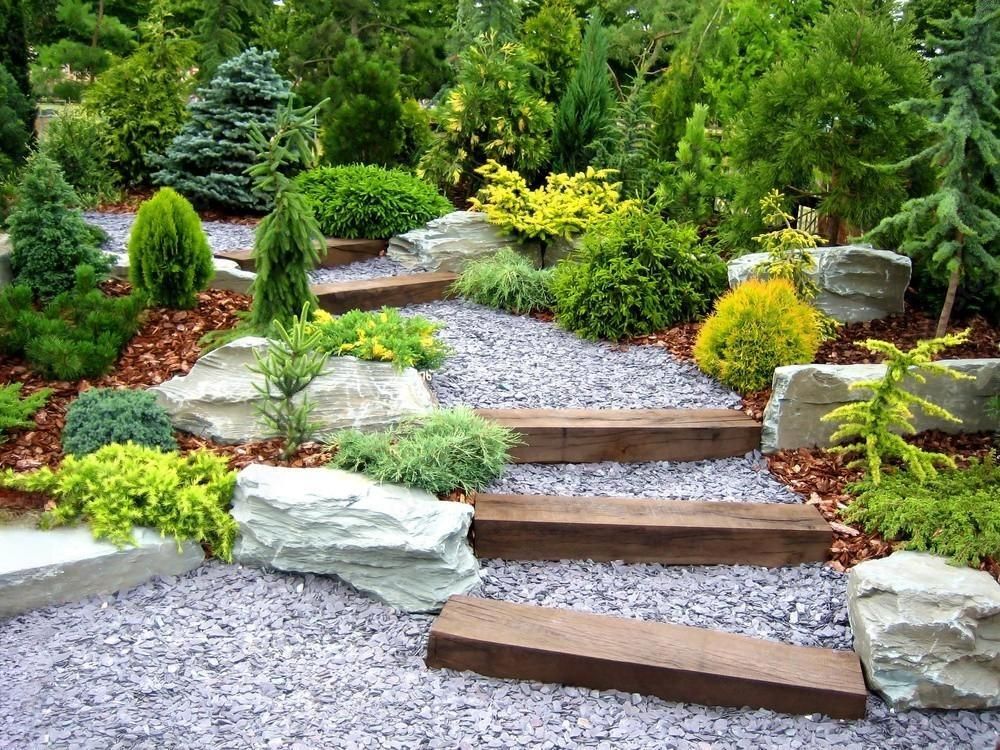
(585,108)
(288,240)
(208,160)
(955,231)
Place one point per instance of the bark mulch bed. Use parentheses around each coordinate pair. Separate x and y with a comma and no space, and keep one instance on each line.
(130,201)
(166,345)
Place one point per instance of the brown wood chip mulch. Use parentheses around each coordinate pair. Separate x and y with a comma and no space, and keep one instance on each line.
(129,203)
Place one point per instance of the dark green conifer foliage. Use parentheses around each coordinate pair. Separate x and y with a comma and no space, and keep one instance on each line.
(169,257)
(689,188)
(223,30)
(208,160)
(14,44)
(48,235)
(15,109)
(955,231)
(473,18)
(288,241)
(585,109)
(364,124)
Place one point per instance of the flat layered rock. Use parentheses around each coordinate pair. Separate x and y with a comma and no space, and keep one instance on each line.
(856,283)
(928,633)
(802,394)
(403,546)
(40,568)
(217,399)
(228,274)
(452,241)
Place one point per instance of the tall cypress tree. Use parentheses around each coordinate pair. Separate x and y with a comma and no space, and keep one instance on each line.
(585,109)
(955,231)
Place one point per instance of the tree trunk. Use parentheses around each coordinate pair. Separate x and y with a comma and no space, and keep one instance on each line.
(97,26)
(949,300)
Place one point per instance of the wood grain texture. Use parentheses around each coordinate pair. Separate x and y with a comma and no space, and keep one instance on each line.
(627,435)
(394,291)
(339,252)
(675,532)
(673,662)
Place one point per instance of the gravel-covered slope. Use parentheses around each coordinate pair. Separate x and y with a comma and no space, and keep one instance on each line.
(221,235)
(226,657)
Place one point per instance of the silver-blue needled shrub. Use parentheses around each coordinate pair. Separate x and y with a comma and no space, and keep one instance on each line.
(104,416)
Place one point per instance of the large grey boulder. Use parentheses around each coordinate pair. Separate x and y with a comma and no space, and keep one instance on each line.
(927,633)
(801,394)
(6,274)
(39,568)
(228,274)
(452,241)
(217,398)
(403,546)
(856,283)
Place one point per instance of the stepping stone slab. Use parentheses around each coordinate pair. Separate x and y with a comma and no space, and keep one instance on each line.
(217,398)
(673,662)
(40,568)
(403,546)
(802,394)
(452,241)
(856,283)
(928,633)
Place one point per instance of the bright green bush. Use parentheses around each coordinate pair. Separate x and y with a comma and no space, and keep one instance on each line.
(382,336)
(169,257)
(15,411)
(873,424)
(79,141)
(79,334)
(756,327)
(636,273)
(954,513)
(103,416)
(507,281)
(361,201)
(446,450)
(121,486)
(48,235)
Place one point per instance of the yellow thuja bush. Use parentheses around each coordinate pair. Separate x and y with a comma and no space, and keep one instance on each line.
(564,206)
(756,327)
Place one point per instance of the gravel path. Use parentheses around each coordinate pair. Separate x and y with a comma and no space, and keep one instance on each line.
(221,235)
(234,658)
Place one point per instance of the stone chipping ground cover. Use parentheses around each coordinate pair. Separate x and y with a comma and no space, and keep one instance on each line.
(229,657)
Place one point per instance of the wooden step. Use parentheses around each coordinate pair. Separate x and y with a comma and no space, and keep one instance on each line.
(673,662)
(674,532)
(339,252)
(391,291)
(627,435)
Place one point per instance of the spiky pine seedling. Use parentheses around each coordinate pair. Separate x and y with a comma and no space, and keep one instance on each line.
(871,423)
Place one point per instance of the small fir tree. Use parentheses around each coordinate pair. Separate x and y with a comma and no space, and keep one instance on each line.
(208,160)
(691,184)
(169,257)
(955,231)
(871,423)
(14,134)
(365,120)
(585,109)
(48,235)
(552,38)
(288,240)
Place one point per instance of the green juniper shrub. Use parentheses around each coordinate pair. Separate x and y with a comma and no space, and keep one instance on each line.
(360,201)
(416,127)
(873,425)
(102,416)
(170,260)
(955,513)
(445,450)
(48,235)
(121,486)
(382,336)
(507,281)
(292,361)
(79,142)
(16,412)
(756,327)
(78,334)
(636,273)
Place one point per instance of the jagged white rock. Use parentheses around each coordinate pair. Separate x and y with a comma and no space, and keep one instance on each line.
(228,274)
(928,633)
(39,568)
(403,546)
(216,399)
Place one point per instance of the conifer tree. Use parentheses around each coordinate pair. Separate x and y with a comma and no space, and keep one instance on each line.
(552,38)
(585,109)
(223,30)
(365,120)
(473,18)
(955,231)
(690,186)
(14,43)
(208,159)
(15,109)
(288,240)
